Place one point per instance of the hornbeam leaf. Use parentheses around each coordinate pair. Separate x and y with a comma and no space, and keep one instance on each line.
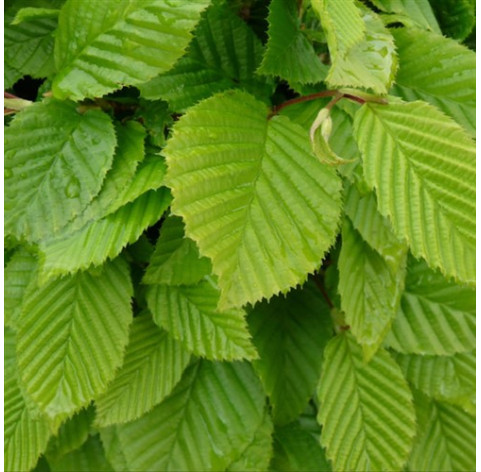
(290,334)
(176,259)
(212,66)
(90,457)
(370,287)
(26,432)
(254,198)
(205,424)
(101,47)
(71,336)
(436,316)
(289,54)
(257,455)
(153,364)
(19,272)
(295,448)
(103,239)
(365,410)
(432,161)
(448,378)
(189,313)
(446,438)
(50,175)
(456,17)
(438,70)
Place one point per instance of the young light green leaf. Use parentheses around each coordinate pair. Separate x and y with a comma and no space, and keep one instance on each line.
(438,70)
(212,66)
(28,48)
(71,435)
(103,239)
(34,13)
(50,176)
(19,272)
(370,287)
(432,160)
(290,334)
(90,457)
(436,316)
(153,365)
(101,47)
(365,409)
(189,313)
(255,199)
(295,448)
(209,419)
(289,54)
(446,438)
(72,332)
(176,259)
(257,454)
(451,379)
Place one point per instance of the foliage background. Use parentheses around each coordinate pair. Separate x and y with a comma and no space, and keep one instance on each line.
(240,235)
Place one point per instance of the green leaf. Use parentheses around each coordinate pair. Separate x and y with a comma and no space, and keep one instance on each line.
(456,17)
(254,199)
(90,457)
(176,259)
(26,431)
(103,239)
(289,54)
(205,424)
(71,336)
(101,47)
(419,12)
(363,54)
(257,454)
(451,379)
(212,66)
(375,229)
(71,435)
(432,161)
(439,71)
(28,48)
(34,13)
(365,409)
(153,365)
(370,287)
(290,334)
(296,449)
(19,272)
(50,175)
(446,439)
(436,316)
(189,313)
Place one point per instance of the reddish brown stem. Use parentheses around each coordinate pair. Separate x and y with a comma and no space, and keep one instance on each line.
(306,98)
(320,286)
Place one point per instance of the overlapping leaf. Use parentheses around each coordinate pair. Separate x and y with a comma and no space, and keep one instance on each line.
(370,287)
(26,431)
(446,438)
(438,70)
(209,419)
(211,66)
(289,54)
(100,47)
(436,316)
(365,410)
(71,337)
(176,259)
(189,313)
(103,239)
(50,176)
(456,17)
(255,199)
(153,364)
(422,165)
(448,378)
(290,334)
